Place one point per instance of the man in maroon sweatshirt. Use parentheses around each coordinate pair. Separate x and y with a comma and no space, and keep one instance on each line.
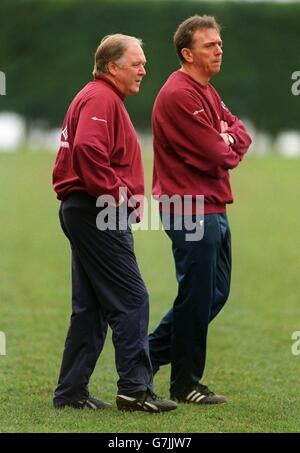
(99,161)
(197,140)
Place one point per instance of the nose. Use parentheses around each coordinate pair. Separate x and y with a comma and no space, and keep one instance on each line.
(142,71)
(219,50)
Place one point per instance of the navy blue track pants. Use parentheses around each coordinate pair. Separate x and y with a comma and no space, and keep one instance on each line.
(203,270)
(107,289)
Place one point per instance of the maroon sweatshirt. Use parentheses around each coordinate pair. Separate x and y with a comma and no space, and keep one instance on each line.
(190,156)
(99,151)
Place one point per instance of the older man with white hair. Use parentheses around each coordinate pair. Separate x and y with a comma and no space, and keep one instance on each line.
(99,155)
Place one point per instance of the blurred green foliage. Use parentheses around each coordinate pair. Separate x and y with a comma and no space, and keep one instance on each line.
(46,52)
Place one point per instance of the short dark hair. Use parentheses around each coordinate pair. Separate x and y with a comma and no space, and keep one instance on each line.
(183,36)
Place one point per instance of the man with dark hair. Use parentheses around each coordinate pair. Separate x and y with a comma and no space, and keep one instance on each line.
(99,156)
(197,140)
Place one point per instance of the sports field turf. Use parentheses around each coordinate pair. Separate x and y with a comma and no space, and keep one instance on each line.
(249,354)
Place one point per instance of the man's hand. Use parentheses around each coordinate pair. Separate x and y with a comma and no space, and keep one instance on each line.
(225,137)
(224,126)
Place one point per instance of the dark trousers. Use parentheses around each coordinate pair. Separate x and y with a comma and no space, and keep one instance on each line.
(203,270)
(107,289)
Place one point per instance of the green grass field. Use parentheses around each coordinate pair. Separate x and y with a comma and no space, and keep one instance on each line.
(249,353)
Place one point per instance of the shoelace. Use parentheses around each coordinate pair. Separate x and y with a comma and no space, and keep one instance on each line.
(86,398)
(203,389)
(153,396)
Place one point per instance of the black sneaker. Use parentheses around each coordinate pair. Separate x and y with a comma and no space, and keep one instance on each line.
(200,394)
(84,403)
(145,401)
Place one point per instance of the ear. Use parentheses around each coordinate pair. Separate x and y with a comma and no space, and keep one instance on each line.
(187,55)
(111,68)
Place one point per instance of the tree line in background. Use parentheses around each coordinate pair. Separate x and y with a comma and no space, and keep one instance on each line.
(47,50)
